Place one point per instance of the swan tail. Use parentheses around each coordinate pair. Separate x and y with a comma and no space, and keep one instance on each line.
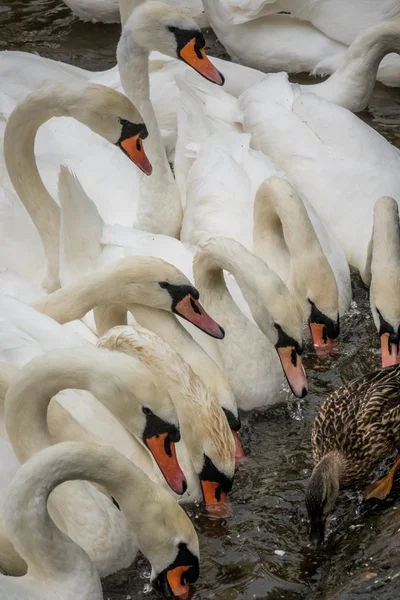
(81,228)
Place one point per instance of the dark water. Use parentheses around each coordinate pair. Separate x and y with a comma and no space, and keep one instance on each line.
(261,552)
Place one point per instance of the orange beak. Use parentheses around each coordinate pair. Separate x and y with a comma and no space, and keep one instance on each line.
(133,148)
(294,371)
(320,337)
(196,58)
(390,352)
(191,310)
(238,446)
(217,502)
(177,582)
(164,454)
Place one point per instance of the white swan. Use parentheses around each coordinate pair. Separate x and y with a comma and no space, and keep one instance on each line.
(107,11)
(384,258)
(254,370)
(59,567)
(313,38)
(205,431)
(103,110)
(155,205)
(340,164)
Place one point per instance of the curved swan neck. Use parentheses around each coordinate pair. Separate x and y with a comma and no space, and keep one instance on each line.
(252,275)
(19,142)
(352,84)
(110,377)
(102,287)
(46,550)
(383,265)
(386,234)
(280,215)
(160,209)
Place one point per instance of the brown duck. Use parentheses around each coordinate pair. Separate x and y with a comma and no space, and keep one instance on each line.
(357,427)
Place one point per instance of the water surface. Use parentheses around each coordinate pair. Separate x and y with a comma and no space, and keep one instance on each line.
(261,552)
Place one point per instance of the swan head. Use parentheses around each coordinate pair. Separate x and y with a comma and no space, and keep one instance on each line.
(164,287)
(385,278)
(155,25)
(111,115)
(205,430)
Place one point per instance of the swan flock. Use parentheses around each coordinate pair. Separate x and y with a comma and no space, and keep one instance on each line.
(176,238)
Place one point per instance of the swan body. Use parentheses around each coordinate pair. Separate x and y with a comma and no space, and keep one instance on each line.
(333,159)
(107,11)
(58,566)
(314,38)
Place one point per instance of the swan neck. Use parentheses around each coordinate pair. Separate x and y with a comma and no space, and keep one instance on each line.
(19,153)
(49,552)
(104,374)
(385,238)
(159,208)
(354,81)
(282,217)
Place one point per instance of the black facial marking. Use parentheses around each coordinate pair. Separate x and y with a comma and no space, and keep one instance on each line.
(385,327)
(332,328)
(210,472)
(285,341)
(185,558)
(233,420)
(179,292)
(184,36)
(156,426)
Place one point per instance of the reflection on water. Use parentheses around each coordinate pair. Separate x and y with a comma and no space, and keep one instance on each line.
(261,552)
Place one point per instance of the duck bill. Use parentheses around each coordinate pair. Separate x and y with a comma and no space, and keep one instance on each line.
(133,148)
(320,338)
(164,453)
(390,351)
(216,501)
(191,310)
(239,453)
(294,370)
(196,58)
(176,581)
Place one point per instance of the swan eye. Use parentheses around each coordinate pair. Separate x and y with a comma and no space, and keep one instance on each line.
(163,285)
(172,29)
(146,410)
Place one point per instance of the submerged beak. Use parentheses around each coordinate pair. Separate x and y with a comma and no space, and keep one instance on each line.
(191,310)
(294,370)
(390,351)
(133,148)
(176,580)
(320,337)
(195,57)
(216,501)
(239,453)
(317,533)
(164,453)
